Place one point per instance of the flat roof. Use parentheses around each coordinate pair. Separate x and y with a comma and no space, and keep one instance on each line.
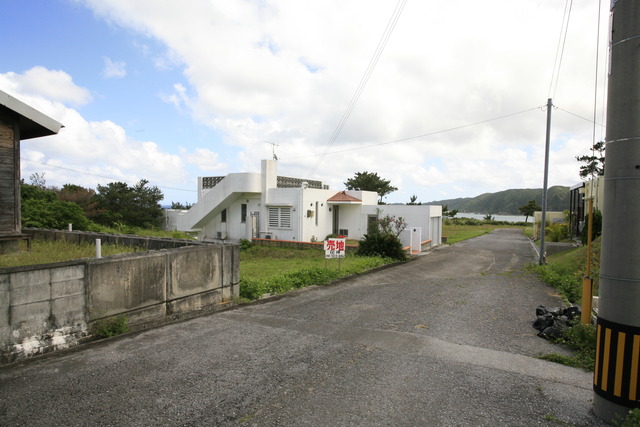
(33,123)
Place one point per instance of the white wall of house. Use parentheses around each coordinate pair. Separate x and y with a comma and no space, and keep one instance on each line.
(235,226)
(595,188)
(427,217)
(174,220)
(278,204)
(316,219)
(298,214)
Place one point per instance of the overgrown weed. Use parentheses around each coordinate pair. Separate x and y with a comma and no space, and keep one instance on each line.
(581,339)
(110,327)
(46,252)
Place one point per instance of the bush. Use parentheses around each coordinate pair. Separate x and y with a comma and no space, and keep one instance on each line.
(382,239)
(245,244)
(596,229)
(557,232)
(386,246)
(54,214)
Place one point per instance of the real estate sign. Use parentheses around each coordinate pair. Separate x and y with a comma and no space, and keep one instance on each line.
(334,248)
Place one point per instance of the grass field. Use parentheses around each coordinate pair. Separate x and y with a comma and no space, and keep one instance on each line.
(457,232)
(261,262)
(46,252)
(269,270)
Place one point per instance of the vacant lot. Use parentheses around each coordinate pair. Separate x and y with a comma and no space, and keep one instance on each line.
(46,252)
(458,232)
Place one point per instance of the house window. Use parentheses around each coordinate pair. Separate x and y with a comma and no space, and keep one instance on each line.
(280,217)
(223,215)
(243,213)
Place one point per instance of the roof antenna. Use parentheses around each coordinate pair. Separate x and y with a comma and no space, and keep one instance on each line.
(273,149)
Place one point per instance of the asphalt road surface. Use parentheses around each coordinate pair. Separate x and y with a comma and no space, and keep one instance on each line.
(445,340)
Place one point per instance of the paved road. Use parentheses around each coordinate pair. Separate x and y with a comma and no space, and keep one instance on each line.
(443,340)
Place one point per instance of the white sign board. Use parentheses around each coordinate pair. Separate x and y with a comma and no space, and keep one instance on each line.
(334,248)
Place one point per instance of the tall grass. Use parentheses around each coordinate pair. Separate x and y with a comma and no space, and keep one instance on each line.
(147,232)
(564,271)
(45,252)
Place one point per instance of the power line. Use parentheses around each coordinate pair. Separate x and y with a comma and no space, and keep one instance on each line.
(562,40)
(98,176)
(363,80)
(418,136)
(580,117)
(595,85)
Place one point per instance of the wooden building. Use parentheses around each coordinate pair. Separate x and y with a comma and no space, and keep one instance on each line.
(18,121)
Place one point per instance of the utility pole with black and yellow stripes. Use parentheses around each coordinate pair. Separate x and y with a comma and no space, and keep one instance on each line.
(616,381)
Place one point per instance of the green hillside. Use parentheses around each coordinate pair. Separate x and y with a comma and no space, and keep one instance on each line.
(507,202)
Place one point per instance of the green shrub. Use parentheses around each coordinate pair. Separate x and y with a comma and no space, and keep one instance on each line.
(596,229)
(382,239)
(109,327)
(557,232)
(245,244)
(54,214)
(386,246)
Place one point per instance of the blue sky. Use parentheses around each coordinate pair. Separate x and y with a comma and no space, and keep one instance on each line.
(169,91)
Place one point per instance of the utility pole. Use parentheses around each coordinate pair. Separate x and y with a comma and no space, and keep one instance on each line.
(616,380)
(546,182)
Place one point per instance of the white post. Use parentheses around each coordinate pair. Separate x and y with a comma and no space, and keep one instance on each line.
(70,227)
(98,248)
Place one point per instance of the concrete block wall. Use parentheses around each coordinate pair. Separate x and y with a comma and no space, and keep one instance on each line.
(51,307)
(41,309)
(134,284)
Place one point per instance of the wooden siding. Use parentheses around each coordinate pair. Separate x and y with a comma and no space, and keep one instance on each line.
(9,177)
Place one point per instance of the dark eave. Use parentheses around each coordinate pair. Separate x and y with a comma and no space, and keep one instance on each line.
(33,123)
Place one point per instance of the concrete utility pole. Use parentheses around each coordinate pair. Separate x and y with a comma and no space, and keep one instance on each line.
(543,225)
(616,381)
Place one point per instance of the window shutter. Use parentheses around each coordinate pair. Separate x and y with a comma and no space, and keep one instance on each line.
(279,217)
(274,217)
(285,217)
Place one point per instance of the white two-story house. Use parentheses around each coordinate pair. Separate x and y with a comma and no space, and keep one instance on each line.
(265,205)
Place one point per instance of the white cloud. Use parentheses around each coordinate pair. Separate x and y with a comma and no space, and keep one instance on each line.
(285,72)
(89,152)
(54,85)
(113,69)
(205,160)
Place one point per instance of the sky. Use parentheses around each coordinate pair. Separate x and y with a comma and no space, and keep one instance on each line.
(443,99)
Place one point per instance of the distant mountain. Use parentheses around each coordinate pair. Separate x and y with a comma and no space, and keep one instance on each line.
(507,202)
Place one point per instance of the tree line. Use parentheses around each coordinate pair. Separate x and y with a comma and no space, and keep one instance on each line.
(116,205)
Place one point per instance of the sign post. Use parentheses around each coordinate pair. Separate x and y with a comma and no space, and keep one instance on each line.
(334,248)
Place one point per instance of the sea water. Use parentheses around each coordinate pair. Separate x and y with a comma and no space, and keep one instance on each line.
(509,218)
